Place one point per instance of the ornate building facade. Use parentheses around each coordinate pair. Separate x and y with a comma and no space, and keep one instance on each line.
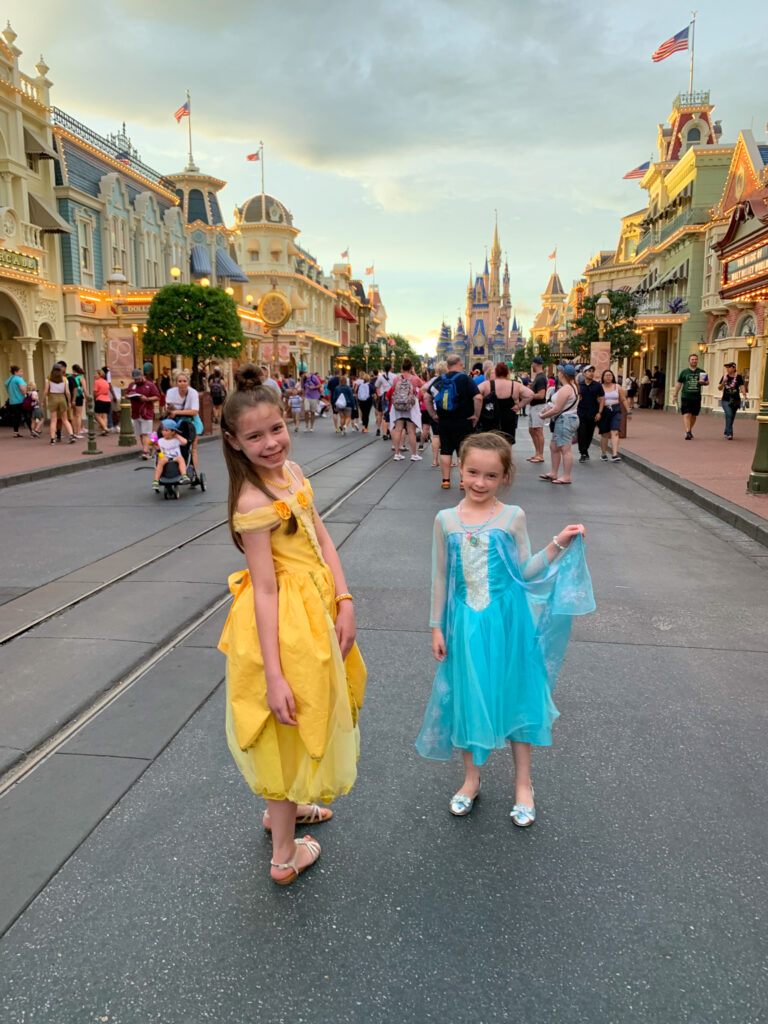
(491,330)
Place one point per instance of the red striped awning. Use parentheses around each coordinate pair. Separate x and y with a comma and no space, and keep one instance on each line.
(344,314)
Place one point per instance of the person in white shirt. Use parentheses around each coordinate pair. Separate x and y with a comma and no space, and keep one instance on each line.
(182,400)
(384,382)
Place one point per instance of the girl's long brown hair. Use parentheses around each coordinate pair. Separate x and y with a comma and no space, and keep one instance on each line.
(249,392)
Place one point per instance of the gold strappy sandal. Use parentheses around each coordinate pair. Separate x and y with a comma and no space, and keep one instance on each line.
(292,865)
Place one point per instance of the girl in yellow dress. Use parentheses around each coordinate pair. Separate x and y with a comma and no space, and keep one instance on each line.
(295,678)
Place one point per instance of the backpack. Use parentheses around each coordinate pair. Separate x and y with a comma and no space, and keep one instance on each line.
(341,401)
(216,387)
(447,393)
(403,395)
(79,393)
(489,414)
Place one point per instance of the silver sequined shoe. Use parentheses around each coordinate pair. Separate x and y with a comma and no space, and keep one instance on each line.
(461,804)
(522,815)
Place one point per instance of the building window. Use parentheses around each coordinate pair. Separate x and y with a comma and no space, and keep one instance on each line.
(253,255)
(33,163)
(85,244)
(747,326)
(721,331)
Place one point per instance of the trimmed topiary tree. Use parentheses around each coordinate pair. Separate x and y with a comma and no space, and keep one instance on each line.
(196,322)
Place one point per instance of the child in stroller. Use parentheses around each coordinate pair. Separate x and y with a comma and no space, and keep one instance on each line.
(173,465)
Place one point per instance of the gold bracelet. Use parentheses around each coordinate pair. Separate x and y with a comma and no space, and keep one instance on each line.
(343,597)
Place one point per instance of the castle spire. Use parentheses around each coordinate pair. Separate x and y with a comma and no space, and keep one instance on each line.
(496,248)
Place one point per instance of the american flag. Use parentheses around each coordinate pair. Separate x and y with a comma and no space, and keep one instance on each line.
(553,254)
(252,156)
(672,45)
(369,271)
(638,171)
(345,254)
(183,111)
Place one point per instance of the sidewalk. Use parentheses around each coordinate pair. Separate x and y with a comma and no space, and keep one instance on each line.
(29,455)
(709,461)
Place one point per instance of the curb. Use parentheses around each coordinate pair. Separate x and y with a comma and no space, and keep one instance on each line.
(741,518)
(66,468)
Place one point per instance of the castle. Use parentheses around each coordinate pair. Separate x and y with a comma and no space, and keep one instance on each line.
(488,333)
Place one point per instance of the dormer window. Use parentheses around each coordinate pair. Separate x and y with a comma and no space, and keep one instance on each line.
(692,137)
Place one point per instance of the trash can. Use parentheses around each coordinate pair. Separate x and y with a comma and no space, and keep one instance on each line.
(206,411)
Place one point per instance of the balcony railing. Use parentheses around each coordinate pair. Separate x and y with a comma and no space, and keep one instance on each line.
(31,236)
(683,219)
(645,242)
(109,149)
(692,99)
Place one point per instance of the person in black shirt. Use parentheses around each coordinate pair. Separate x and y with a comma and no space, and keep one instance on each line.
(538,386)
(458,422)
(734,390)
(589,409)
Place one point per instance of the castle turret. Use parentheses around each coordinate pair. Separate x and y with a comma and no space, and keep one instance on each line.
(493,283)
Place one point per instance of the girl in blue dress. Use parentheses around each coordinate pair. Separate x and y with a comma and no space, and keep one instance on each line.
(500,622)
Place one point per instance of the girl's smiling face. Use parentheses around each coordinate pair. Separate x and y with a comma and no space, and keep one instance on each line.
(262,436)
(483,474)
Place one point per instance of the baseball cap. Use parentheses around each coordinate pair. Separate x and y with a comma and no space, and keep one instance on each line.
(148,367)
(568,369)
(589,366)
(729,364)
(538,360)
(136,374)
(169,425)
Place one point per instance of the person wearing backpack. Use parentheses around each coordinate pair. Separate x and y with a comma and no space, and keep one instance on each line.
(454,399)
(383,385)
(77,389)
(502,399)
(405,413)
(218,390)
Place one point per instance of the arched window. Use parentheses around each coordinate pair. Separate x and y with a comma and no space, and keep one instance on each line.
(721,331)
(747,326)
(196,209)
(694,135)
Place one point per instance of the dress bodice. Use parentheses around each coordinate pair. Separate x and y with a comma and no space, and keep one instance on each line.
(291,552)
(474,564)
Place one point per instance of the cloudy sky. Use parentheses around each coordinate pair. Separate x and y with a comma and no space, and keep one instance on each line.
(397,128)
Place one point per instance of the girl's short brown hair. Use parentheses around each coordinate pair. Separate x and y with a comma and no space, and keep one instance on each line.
(492,441)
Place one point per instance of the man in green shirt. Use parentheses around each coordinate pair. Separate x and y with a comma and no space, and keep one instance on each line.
(691,381)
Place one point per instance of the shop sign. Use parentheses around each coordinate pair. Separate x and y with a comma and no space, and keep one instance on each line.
(121,355)
(87,307)
(19,261)
(752,264)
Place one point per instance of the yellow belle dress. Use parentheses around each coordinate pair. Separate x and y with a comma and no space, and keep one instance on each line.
(316,761)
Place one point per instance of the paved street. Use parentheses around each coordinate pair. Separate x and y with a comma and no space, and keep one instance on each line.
(134,866)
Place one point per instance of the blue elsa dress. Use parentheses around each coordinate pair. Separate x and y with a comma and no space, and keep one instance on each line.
(506,617)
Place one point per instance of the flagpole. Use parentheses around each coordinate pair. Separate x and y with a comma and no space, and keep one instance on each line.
(191,166)
(263,200)
(693,31)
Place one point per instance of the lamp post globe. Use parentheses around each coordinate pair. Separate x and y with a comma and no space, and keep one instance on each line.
(602,313)
(116,282)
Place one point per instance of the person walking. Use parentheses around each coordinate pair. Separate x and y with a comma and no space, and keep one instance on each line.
(539,388)
(16,387)
(733,391)
(312,387)
(384,382)
(405,414)
(631,389)
(78,386)
(589,410)
(295,678)
(566,420)
(217,387)
(343,400)
(658,386)
(143,395)
(365,400)
(184,401)
(454,399)
(486,584)
(102,401)
(609,424)
(690,381)
(441,367)
(56,399)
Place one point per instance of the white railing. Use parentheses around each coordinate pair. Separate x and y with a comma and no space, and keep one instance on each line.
(31,235)
(30,88)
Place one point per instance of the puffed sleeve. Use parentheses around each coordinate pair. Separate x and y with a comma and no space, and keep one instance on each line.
(531,566)
(438,574)
(257,519)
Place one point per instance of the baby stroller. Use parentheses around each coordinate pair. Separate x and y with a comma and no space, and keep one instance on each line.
(169,479)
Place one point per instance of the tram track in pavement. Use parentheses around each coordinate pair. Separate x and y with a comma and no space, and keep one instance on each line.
(14,632)
(50,745)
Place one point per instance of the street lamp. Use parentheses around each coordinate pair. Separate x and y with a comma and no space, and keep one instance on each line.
(204,282)
(702,344)
(230,290)
(366,353)
(750,339)
(300,333)
(602,313)
(175,274)
(116,282)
